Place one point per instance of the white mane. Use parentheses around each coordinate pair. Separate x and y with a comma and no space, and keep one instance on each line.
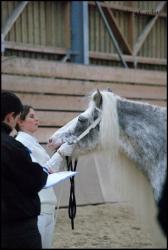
(109,126)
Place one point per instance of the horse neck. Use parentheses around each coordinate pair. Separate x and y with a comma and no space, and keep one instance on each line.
(142,134)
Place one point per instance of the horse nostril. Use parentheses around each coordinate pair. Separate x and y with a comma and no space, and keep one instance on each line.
(50,140)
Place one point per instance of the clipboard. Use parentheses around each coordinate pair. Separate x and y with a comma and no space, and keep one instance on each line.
(58,177)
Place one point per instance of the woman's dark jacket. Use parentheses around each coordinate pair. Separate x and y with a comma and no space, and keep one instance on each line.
(21,180)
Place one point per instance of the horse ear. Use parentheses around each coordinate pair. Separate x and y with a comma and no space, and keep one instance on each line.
(98,99)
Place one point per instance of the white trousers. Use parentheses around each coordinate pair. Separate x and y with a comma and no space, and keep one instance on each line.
(46,226)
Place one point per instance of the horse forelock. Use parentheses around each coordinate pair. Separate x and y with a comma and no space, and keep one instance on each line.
(109,126)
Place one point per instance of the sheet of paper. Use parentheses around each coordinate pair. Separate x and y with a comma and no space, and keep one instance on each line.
(55,178)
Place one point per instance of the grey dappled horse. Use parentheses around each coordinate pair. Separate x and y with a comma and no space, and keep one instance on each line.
(136,128)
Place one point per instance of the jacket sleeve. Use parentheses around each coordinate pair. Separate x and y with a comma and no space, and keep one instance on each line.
(29,175)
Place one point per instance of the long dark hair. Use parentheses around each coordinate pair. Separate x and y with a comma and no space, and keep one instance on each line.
(25,111)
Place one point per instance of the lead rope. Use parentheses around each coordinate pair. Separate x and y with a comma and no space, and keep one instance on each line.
(72,199)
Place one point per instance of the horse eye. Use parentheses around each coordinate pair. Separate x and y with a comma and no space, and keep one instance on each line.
(82,118)
(95,116)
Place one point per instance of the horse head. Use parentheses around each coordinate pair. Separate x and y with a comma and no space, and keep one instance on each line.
(70,133)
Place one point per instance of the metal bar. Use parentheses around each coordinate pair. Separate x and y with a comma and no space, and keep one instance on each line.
(13,17)
(111,35)
(2,44)
(116,29)
(10,21)
(37,48)
(148,28)
(65,58)
(79,31)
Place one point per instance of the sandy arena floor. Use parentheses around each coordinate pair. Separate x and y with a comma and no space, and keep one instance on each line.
(100,226)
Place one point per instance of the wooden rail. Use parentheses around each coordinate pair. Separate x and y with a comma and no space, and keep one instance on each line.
(59,92)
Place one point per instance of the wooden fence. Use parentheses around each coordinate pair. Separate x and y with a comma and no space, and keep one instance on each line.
(59,92)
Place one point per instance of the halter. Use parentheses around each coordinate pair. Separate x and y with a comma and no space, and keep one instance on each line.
(72,199)
(93,125)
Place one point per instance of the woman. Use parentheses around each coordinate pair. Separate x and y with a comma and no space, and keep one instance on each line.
(27,125)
